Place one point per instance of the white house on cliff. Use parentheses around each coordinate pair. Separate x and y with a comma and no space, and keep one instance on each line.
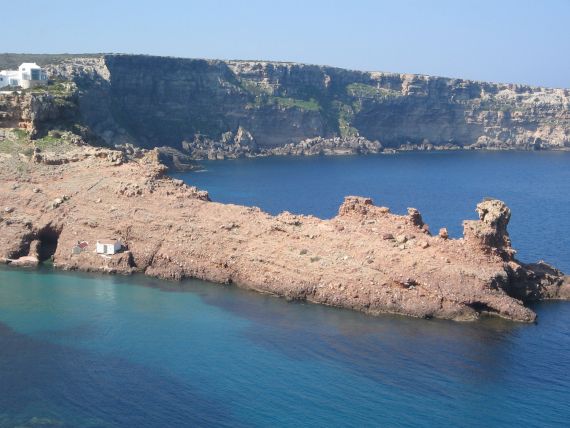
(28,75)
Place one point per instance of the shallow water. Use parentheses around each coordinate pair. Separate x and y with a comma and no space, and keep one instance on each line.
(100,351)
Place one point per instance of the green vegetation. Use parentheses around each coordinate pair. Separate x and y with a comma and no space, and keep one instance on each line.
(311,105)
(16,141)
(21,134)
(255,89)
(495,104)
(345,118)
(49,141)
(56,88)
(284,102)
(63,102)
(264,95)
(362,90)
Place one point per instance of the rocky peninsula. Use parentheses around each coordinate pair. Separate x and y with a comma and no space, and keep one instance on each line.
(66,196)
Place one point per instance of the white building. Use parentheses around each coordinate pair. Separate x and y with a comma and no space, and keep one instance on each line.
(109,246)
(28,75)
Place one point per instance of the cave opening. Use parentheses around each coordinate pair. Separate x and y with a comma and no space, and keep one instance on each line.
(481,307)
(48,238)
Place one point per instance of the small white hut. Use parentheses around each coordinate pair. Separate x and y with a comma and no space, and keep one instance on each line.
(109,246)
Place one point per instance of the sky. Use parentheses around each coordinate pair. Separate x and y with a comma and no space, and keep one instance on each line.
(522,41)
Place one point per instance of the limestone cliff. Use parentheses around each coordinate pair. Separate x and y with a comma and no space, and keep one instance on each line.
(190,103)
(38,111)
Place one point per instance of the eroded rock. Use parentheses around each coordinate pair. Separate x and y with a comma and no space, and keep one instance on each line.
(491,229)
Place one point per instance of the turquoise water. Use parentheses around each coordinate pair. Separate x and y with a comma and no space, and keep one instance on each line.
(101,351)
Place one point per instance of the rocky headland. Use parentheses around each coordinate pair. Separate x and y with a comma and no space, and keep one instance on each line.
(194,109)
(58,201)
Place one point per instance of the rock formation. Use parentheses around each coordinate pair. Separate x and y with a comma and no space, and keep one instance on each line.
(38,111)
(365,258)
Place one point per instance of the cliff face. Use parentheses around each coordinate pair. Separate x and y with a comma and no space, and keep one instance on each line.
(155,101)
(32,111)
(38,111)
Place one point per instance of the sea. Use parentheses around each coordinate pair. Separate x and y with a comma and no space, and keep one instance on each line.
(86,350)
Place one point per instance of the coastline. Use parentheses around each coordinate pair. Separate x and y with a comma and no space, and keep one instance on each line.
(180,161)
(384,153)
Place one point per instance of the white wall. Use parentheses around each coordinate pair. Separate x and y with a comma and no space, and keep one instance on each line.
(22,77)
(108,248)
(10,77)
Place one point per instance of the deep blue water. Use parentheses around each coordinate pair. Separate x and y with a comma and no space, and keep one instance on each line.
(100,351)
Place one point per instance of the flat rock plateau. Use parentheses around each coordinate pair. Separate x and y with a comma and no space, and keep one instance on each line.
(365,258)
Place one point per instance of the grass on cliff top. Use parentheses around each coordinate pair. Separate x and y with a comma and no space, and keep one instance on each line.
(17,141)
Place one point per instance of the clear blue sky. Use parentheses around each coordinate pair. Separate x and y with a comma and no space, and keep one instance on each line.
(523,41)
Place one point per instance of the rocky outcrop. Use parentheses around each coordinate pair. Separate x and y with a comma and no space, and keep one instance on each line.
(329,146)
(218,109)
(490,230)
(365,258)
(38,111)
(206,148)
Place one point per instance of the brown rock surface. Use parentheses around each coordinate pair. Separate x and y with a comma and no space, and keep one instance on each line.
(365,258)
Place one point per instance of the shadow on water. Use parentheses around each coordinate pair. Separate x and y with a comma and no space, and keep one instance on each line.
(65,387)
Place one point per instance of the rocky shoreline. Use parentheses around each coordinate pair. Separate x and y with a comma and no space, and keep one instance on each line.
(182,159)
(365,259)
